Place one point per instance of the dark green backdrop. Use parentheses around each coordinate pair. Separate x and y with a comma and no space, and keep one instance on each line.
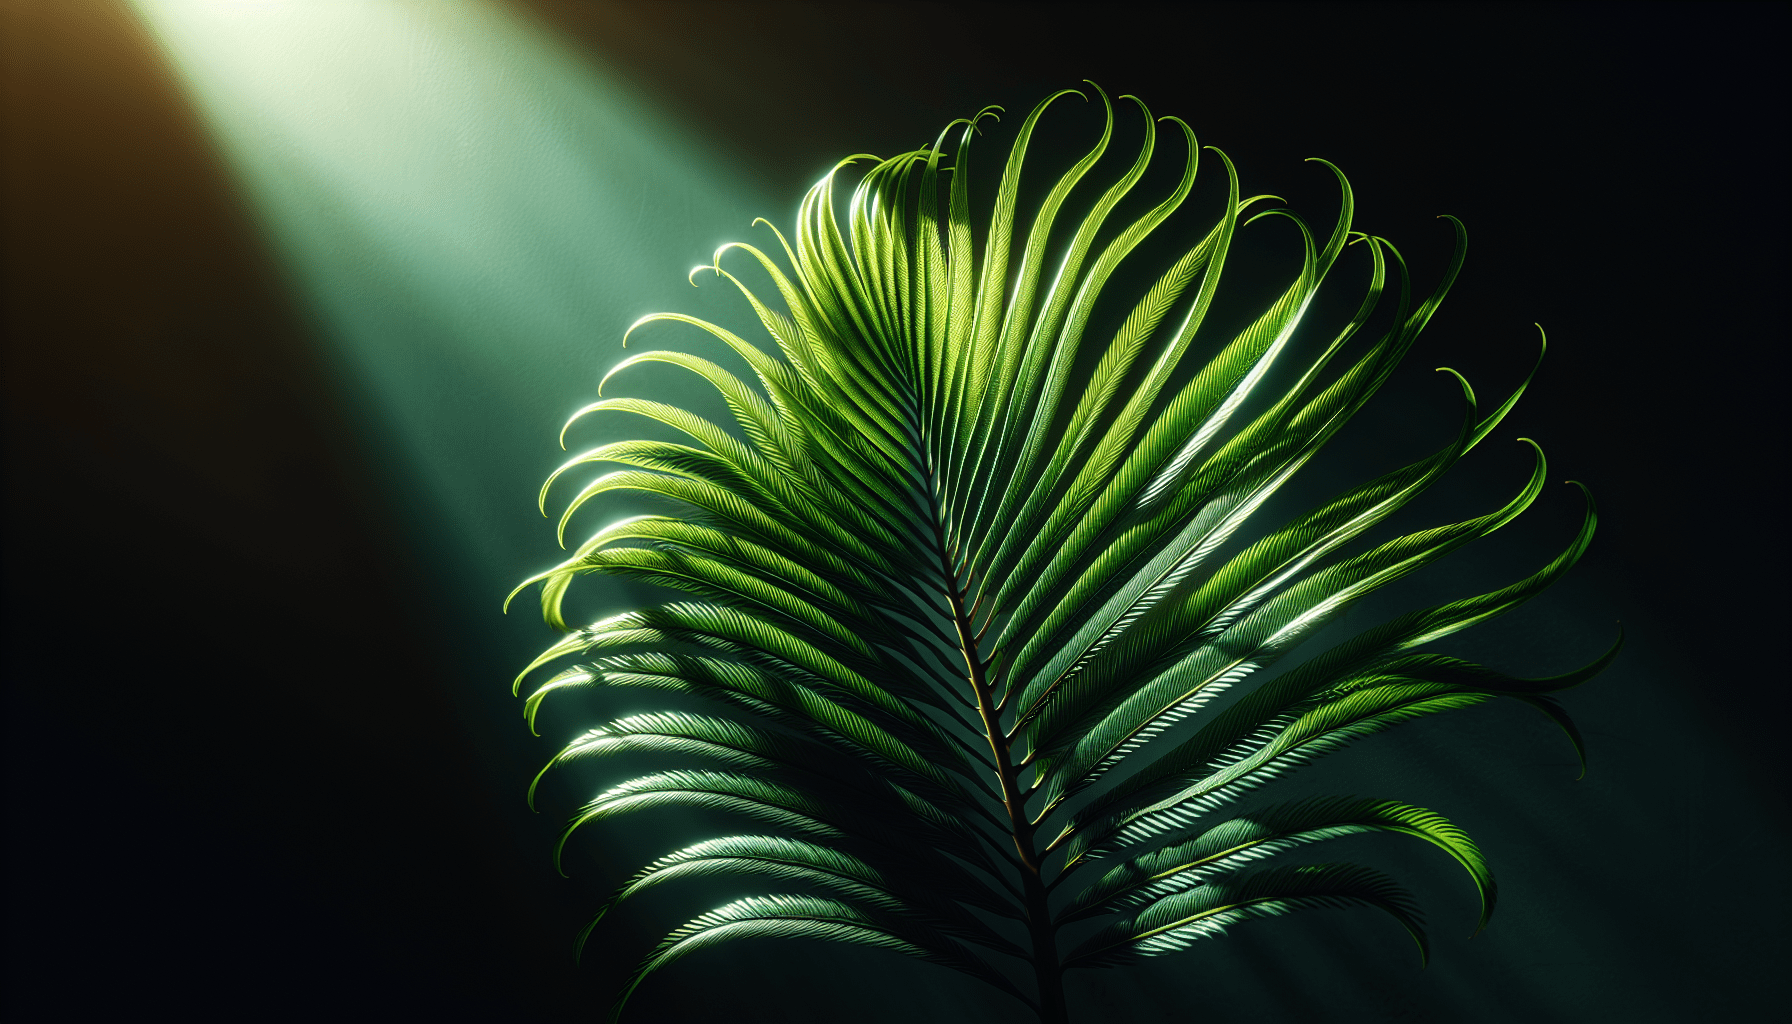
(262,758)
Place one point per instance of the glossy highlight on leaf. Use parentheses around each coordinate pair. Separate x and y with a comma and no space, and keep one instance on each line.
(984,600)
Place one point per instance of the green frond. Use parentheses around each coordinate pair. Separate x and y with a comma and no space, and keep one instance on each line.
(948,562)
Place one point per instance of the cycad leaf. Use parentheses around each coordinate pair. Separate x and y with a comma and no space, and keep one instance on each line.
(952,563)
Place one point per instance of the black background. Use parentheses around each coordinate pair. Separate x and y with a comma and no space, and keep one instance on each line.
(235,783)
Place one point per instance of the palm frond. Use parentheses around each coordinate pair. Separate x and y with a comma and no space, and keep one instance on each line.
(954,566)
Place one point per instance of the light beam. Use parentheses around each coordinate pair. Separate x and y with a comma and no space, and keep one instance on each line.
(471,212)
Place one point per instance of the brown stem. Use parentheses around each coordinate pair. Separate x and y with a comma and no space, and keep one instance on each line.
(1041,933)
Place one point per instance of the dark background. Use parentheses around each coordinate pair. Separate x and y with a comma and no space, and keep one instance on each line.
(238,777)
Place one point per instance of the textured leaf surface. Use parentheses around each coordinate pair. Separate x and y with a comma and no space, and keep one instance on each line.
(955,563)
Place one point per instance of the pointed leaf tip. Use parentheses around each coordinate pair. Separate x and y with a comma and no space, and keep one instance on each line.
(1467,389)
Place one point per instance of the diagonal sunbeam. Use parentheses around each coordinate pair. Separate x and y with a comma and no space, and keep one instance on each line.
(459,200)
